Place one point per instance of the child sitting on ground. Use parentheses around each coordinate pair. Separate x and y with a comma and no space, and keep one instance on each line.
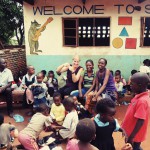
(44,76)
(118,72)
(85,133)
(7,132)
(67,130)
(57,110)
(105,124)
(135,122)
(119,86)
(29,135)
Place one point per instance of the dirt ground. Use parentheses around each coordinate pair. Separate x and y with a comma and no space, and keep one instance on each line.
(119,141)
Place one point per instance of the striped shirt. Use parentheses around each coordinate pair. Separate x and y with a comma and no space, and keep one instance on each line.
(88,81)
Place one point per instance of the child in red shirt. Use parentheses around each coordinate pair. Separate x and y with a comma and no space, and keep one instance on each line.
(135,122)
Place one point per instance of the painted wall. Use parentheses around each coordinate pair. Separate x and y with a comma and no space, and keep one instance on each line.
(51,40)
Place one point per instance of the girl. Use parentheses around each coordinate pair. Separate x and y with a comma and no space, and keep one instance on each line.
(85,132)
(57,110)
(104,82)
(52,83)
(87,79)
(29,135)
(105,125)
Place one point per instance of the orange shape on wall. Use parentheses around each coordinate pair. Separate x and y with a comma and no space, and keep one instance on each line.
(125,21)
(130,43)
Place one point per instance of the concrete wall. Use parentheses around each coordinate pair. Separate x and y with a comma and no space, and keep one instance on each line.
(51,43)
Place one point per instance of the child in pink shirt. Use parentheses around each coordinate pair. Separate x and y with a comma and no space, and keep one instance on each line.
(136,119)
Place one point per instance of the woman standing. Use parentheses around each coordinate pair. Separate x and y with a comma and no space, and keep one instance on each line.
(73,75)
(105,86)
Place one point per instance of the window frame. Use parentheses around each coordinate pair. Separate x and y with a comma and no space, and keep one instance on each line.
(142,29)
(77,36)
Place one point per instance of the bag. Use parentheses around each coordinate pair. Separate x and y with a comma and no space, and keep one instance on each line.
(36,90)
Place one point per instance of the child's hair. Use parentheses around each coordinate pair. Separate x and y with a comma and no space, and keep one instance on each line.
(91,61)
(133,72)
(44,72)
(56,94)
(42,108)
(118,71)
(51,71)
(85,130)
(1,119)
(40,73)
(29,66)
(104,60)
(146,62)
(103,105)
(68,101)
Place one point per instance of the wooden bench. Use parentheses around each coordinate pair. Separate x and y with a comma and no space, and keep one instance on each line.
(17,97)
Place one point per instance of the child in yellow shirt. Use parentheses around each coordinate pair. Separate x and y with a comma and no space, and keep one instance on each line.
(57,110)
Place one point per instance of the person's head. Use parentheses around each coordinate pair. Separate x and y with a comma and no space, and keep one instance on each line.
(117,72)
(106,109)
(117,78)
(3,64)
(51,74)
(39,77)
(146,62)
(102,63)
(44,109)
(85,130)
(75,61)
(133,72)
(57,98)
(44,72)
(1,119)
(89,65)
(68,103)
(139,82)
(30,70)
(112,72)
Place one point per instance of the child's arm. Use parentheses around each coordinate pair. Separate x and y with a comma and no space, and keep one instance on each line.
(138,126)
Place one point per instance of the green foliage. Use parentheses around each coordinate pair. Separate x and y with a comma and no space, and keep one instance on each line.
(11,21)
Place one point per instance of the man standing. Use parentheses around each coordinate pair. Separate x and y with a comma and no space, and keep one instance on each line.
(6,78)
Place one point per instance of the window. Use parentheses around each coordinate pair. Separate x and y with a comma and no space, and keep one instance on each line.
(86,32)
(145,31)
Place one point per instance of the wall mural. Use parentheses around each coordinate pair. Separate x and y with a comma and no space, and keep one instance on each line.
(34,33)
(124,32)
(131,43)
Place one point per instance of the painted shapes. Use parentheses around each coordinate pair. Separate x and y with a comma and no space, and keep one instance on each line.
(124,20)
(124,32)
(117,43)
(130,43)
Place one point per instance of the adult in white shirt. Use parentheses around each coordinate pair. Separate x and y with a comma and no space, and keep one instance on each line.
(6,79)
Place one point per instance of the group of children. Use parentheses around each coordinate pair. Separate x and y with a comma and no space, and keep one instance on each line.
(61,115)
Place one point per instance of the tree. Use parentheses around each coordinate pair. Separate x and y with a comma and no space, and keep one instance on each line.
(11,21)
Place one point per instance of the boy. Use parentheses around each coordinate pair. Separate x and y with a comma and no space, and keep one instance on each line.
(6,132)
(67,130)
(39,90)
(136,119)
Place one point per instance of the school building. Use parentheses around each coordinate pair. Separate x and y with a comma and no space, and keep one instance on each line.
(118,30)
